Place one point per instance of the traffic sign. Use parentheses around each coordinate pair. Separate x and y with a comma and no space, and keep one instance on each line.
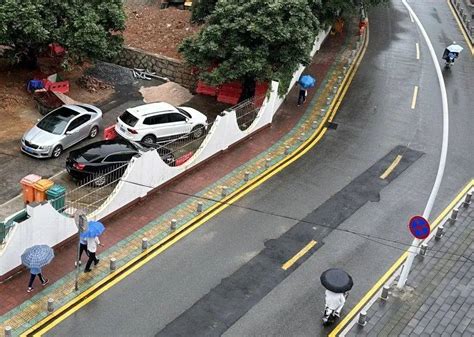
(419,227)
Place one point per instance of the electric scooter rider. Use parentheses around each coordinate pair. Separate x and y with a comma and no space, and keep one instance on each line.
(451,53)
(334,304)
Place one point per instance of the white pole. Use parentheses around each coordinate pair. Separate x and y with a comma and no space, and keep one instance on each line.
(444,150)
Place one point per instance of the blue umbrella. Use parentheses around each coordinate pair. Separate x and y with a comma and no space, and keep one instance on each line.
(37,256)
(95,228)
(307,81)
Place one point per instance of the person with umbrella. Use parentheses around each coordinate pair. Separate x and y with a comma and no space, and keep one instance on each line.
(95,229)
(451,53)
(337,283)
(35,258)
(305,82)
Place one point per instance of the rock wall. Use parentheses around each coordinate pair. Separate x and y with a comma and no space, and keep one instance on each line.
(164,66)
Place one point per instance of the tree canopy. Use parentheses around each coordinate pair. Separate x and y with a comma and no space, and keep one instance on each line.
(253,39)
(86,28)
(259,39)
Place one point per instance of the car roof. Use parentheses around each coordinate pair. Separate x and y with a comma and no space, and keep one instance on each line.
(146,109)
(77,108)
(105,147)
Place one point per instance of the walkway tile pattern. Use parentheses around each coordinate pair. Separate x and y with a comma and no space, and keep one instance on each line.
(440,296)
(62,291)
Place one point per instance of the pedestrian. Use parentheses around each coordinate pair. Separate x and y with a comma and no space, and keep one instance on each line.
(334,302)
(302,96)
(92,249)
(33,273)
(82,248)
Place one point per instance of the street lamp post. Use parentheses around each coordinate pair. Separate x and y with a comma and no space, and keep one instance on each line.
(81,223)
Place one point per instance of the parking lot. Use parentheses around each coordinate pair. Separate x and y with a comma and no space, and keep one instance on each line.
(14,165)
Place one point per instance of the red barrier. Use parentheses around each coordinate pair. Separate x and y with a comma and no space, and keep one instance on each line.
(184,158)
(110,133)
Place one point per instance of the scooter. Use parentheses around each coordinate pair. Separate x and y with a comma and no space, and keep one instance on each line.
(330,315)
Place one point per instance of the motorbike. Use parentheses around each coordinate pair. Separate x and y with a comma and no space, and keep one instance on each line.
(331,315)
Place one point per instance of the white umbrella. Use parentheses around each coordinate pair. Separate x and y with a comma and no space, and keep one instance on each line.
(455,48)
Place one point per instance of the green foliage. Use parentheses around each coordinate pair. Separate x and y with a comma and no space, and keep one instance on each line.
(256,39)
(202,9)
(86,28)
(328,10)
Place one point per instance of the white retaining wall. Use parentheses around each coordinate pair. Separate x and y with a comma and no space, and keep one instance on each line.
(145,172)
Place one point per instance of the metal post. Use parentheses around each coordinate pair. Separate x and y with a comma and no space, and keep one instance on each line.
(467,200)
(328,101)
(173,224)
(423,249)
(8,331)
(287,149)
(50,305)
(246,176)
(144,244)
(334,90)
(323,111)
(385,291)
(439,232)
(454,216)
(199,207)
(113,264)
(224,191)
(362,321)
(315,124)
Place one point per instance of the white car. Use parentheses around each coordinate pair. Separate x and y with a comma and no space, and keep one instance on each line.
(161,121)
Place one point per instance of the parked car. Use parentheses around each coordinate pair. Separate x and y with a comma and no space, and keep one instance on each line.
(95,160)
(60,129)
(161,121)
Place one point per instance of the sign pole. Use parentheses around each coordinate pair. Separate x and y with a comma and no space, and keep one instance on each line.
(81,223)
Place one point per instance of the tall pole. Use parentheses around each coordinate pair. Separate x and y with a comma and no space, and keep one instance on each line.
(81,223)
(412,252)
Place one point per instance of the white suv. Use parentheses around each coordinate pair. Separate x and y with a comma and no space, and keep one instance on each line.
(161,121)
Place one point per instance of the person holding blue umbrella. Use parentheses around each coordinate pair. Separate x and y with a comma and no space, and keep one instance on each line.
(35,258)
(95,229)
(305,82)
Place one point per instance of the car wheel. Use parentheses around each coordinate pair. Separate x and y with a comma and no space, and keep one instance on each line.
(197,131)
(58,149)
(94,131)
(149,139)
(100,180)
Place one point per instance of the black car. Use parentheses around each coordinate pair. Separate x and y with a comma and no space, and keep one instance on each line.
(105,161)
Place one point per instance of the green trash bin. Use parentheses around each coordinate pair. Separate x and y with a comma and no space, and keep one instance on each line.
(57,195)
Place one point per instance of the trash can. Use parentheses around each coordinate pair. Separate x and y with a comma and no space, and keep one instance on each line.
(56,195)
(41,186)
(27,184)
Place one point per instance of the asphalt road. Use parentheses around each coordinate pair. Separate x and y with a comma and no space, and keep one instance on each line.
(224,277)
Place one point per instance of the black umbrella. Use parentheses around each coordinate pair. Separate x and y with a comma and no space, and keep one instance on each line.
(336,280)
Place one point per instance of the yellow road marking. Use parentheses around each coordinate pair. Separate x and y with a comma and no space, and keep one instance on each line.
(298,255)
(90,294)
(415,94)
(461,28)
(417,51)
(363,301)
(392,166)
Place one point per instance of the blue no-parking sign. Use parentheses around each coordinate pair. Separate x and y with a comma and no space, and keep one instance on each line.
(419,227)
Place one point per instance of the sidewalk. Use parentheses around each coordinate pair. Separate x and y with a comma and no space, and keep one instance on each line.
(439,296)
(151,217)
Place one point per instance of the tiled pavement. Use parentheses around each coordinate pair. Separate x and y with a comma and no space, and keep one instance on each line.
(21,310)
(439,300)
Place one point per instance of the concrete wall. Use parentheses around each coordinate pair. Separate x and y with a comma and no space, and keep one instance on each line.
(164,66)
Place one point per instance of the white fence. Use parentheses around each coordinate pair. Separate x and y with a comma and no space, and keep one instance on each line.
(145,173)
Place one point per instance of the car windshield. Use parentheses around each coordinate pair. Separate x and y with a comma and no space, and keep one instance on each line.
(57,120)
(128,118)
(184,112)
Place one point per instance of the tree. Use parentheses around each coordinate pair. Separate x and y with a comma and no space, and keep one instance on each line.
(328,10)
(250,40)
(202,9)
(86,28)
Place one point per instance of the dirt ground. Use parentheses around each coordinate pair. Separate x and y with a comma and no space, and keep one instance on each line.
(157,30)
(18,109)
